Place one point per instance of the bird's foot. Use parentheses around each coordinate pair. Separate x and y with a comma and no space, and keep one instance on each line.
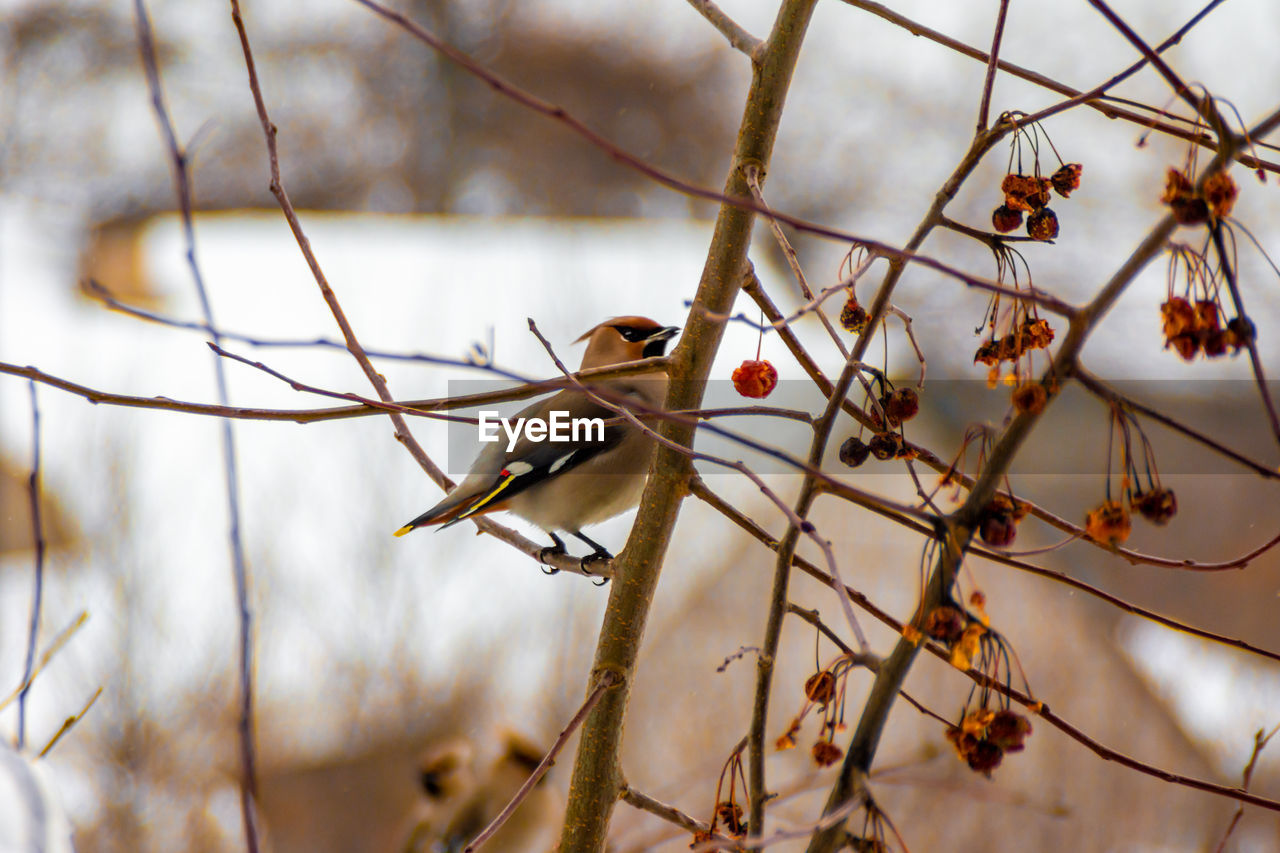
(599,556)
(545,555)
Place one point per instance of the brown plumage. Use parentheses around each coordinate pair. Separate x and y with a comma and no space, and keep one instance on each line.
(567,485)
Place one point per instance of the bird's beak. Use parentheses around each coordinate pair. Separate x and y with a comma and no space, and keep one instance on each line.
(666,333)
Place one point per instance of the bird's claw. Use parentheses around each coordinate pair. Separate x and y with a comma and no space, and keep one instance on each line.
(600,556)
(545,555)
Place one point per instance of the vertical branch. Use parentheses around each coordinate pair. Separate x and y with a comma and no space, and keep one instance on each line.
(37,595)
(239,570)
(993,61)
(597,779)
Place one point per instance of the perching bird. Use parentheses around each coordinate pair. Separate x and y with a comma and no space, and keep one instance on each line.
(570,484)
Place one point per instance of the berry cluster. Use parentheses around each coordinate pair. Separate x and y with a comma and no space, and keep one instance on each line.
(824,690)
(1190,207)
(1192,329)
(1031,194)
(1109,522)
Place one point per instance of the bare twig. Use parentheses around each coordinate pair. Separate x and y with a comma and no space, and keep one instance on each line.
(984,104)
(37,594)
(69,723)
(55,645)
(669,813)
(239,568)
(604,681)
(738,38)
(1260,740)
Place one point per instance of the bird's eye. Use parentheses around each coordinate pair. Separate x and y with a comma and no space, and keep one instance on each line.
(631,333)
(431,784)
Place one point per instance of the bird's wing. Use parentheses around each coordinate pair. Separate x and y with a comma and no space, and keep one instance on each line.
(530,463)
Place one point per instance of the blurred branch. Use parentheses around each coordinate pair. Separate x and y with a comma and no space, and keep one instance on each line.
(1260,740)
(70,723)
(603,682)
(37,595)
(1092,98)
(239,568)
(738,38)
(55,645)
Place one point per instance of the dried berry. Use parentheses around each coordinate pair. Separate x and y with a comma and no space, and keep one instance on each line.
(998,529)
(988,353)
(1179,194)
(1207,316)
(1030,398)
(1176,185)
(1179,317)
(1240,332)
(1220,192)
(945,624)
(1215,343)
(1042,224)
(1025,192)
(1108,523)
(885,446)
(854,452)
(826,753)
(1008,730)
(1037,333)
(1157,506)
(900,404)
(1067,179)
(755,379)
(730,814)
(1004,219)
(853,317)
(820,687)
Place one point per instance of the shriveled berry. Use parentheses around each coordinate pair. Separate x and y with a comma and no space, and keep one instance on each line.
(826,753)
(1240,332)
(853,317)
(1178,316)
(985,757)
(900,404)
(1215,343)
(755,379)
(944,623)
(854,451)
(1030,398)
(1108,523)
(820,687)
(1008,729)
(885,446)
(1067,179)
(998,529)
(1005,219)
(1042,224)
(1220,192)
(1157,506)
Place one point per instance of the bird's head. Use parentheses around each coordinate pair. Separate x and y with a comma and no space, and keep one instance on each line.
(625,339)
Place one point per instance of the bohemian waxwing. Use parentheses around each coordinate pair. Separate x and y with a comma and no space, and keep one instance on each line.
(567,485)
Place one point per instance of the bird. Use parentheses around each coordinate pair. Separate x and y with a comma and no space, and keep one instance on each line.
(586,479)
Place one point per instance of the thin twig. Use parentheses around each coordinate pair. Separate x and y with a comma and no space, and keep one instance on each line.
(604,681)
(669,813)
(738,38)
(55,645)
(1260,740)
(752,174)
(37,594)
(69,723)
(239,568)
(984,103)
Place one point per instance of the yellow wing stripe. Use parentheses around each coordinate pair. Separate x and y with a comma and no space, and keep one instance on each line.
(479,505)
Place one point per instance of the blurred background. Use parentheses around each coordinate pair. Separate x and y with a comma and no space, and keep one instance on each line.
(404,686)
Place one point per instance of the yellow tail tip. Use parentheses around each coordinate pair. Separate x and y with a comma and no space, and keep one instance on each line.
(403,530)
